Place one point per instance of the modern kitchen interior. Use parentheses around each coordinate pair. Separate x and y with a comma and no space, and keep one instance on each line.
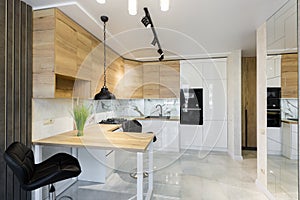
(183,100)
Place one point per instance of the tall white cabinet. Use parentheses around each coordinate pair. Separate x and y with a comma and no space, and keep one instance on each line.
(209,74)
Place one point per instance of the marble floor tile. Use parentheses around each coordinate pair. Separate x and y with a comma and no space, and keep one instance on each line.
(188,175)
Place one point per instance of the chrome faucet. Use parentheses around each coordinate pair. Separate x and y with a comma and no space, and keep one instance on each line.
(160,106)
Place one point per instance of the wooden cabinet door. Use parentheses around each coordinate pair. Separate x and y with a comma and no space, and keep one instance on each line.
(84,57)
(289,76)
(169,79)
(151,80)
(65,47)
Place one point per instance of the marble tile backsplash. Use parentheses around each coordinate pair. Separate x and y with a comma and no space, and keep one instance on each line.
(289,108)
(138,107)
(53,116)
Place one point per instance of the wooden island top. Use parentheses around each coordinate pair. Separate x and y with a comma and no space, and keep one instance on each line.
(101,136)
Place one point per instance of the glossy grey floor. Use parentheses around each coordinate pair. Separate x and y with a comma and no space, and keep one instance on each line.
(187,175)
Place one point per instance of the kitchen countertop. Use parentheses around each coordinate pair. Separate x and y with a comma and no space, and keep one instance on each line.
(287,121)
(101,136)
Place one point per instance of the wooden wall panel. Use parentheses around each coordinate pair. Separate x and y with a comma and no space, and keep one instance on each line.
(289,76)
(15,87)
(249,101)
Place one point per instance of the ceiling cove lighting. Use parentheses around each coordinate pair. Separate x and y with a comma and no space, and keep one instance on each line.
(132,7)
(147,21)
(104,93)
(164,5)
(101,1)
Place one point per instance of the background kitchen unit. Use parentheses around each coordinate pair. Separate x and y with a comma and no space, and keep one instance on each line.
(209,75)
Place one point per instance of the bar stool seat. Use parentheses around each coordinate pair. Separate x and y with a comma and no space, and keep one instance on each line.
(31,176)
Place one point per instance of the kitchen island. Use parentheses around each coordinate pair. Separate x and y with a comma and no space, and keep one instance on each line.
(102,137)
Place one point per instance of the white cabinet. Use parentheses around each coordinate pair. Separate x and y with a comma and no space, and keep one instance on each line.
(290,140)
(166,132)
(191,137)
(194,73)
(92,161)
(211,75)
(282,29)
(211,136)
(191,74)
(274,141)
(215,100)
(215,135)
(273,71)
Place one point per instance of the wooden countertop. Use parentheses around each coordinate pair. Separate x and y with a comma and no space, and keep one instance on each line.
(100,136)
(289,121)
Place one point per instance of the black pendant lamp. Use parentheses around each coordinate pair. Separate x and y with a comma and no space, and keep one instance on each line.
(104,93)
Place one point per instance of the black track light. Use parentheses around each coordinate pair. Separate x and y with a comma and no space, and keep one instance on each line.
(146,22)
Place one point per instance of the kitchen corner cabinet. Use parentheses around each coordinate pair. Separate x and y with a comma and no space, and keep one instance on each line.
(289,76)
(59,48)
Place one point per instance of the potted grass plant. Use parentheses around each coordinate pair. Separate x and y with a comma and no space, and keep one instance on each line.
(80,115)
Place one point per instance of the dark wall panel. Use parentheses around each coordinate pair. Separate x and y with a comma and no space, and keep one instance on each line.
(15,88)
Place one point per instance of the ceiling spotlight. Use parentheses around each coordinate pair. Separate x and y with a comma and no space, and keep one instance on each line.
(146,22)
(161,58)
(164,5)
(160,52)
(154,41)
(101,1)
(132,7)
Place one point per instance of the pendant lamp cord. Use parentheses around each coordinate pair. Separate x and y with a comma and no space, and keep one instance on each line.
(104,46)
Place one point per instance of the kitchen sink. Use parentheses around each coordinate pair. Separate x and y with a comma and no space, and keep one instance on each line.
(158,117)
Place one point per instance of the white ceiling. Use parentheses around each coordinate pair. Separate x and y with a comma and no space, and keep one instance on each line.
(191,28)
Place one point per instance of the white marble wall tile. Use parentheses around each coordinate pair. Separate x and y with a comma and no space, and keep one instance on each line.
(289,108)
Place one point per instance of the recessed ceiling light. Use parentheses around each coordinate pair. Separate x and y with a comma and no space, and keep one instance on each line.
(132,7)
(164,5)
(101,1)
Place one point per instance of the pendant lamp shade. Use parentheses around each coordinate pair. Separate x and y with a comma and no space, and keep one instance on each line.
(104,92)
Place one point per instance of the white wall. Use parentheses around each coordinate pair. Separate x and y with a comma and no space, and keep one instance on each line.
(234,99)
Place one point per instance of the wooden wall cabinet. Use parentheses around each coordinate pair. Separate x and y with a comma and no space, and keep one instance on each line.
(289,76)
(150,80)
(60,47)
(161,79)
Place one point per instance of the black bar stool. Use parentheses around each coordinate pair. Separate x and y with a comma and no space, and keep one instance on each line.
(31,176)
(134,126)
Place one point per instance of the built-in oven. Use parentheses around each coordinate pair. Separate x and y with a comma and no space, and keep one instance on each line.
(191,106)
(273,107)
(273,118)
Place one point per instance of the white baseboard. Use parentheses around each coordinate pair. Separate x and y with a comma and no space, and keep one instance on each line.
(202,148)
(264,190)
(235,157)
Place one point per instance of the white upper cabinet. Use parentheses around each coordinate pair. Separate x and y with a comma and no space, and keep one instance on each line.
(282,30)
(191,74)
(273,71)
(214,69)
(194,73)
